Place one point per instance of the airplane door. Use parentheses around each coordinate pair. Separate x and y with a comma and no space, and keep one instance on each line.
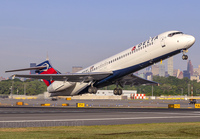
(162,42)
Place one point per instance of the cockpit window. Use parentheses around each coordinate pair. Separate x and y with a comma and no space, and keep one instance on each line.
(172,34)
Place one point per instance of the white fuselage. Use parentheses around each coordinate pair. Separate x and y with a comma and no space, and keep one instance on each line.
(131,60)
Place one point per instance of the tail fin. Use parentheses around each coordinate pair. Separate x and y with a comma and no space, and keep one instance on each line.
(47,70)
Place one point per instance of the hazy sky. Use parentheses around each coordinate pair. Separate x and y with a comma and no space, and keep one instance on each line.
(83,32)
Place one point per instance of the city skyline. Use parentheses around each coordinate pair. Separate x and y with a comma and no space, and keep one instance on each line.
(85,32)
(159,69)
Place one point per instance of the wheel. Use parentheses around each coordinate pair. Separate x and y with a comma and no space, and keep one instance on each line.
(119,92)
(184,57)
(92,90)
(115,91)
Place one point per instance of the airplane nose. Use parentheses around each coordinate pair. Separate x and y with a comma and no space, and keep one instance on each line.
(190,40)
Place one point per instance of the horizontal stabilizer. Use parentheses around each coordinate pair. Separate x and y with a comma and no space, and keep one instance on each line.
(32,68)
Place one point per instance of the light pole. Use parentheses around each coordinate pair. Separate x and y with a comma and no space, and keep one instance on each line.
(24,89)
(12,88)
(188,89)
(192,90)
(182,91)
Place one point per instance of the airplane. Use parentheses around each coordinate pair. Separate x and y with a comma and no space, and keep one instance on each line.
(117,69)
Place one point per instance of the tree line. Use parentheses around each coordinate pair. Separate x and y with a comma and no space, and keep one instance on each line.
(168,86)
(30,86)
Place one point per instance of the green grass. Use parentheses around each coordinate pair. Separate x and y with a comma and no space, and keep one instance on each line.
(161,130)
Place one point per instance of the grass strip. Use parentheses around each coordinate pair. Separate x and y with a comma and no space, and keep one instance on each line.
(155,130)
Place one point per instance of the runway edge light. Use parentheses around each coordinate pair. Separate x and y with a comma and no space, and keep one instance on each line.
(65,104)
(46,104)
(68,98)
(20,103)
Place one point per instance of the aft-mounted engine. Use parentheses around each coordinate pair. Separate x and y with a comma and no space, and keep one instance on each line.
(59,86)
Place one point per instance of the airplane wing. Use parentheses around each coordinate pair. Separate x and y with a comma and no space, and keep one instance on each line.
(132,79)
(73,77)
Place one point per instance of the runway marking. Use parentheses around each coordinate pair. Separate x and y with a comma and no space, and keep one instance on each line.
(100,119)
(18,112)
(193,113)
(178,113)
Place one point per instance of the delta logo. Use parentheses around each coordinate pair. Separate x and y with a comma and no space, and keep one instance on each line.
(133,48)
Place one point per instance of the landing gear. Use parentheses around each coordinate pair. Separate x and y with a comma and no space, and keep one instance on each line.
(184,57)
(117,91)
(92,90)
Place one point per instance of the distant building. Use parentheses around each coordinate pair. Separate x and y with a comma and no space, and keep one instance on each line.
(76,69)
(175,72)
(190,68)
(149,76)
(195,78)
(32,65)
(186,74)
(155,70)
(148,69)
(196,72)
(199,69)
(180,75)
(162,70)
(20,78)
(2,78)
(166,74)
(170,66)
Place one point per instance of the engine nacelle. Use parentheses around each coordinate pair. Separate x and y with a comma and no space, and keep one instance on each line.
(58,86)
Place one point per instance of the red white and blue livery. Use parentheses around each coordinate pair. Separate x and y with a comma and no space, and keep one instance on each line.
(117,69)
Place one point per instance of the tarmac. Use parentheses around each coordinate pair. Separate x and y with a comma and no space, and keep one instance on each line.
(12,117)
(95,112)
(108,103)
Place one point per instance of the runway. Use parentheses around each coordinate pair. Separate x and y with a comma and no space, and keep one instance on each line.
(100,103)
(57,116)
